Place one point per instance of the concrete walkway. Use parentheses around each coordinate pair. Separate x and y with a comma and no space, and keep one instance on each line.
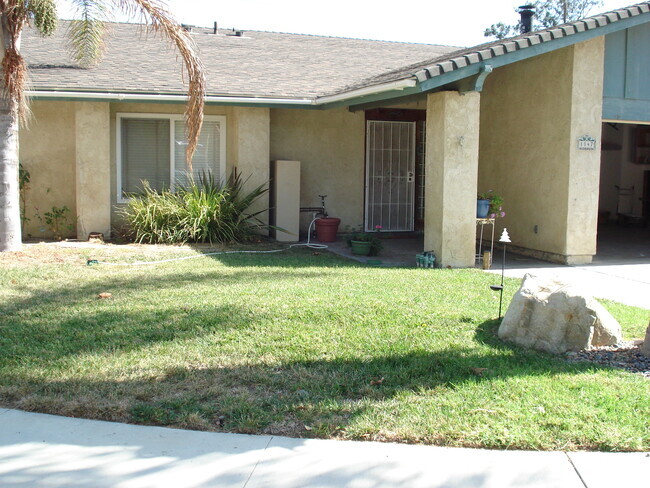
(622,281)
(38,450)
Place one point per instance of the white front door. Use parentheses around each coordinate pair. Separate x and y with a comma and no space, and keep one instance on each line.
(390,175)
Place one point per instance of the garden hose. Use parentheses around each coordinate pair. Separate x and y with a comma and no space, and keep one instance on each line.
(308,244)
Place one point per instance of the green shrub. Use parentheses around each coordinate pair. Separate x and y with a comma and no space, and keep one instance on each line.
(209,211)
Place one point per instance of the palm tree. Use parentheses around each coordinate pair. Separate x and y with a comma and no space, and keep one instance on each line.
(86,39)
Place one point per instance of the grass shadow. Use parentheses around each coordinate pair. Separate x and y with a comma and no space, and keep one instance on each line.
(280,399)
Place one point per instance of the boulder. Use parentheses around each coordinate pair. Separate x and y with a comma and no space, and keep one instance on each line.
(555,317)
(645,347)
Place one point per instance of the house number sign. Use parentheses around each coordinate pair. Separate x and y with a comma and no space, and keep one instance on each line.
(586,143)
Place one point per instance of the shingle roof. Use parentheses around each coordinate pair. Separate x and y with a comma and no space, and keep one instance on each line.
(258,64)
(273,65)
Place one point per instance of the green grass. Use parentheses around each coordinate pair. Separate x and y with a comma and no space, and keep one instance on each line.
(300,344)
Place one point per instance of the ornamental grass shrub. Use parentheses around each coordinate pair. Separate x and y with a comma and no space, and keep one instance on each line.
(208,211)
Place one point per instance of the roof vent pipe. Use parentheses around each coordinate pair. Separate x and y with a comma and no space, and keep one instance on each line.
(215,29)
(526,22)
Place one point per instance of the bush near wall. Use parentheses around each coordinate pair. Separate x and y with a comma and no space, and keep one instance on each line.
(208,211)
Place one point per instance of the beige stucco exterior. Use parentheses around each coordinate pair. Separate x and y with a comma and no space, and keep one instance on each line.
(330,145)
(451,176)
(92,168)
(251,152)
(47,151)
(531,117)
(584,167)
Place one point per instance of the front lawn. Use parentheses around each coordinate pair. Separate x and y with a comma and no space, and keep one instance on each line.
(301,344)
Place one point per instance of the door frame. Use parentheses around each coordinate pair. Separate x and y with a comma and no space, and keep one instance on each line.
(419,116)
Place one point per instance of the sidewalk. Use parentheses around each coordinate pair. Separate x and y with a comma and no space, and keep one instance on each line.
(38,450)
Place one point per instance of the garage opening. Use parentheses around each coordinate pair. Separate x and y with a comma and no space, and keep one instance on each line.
(624,201)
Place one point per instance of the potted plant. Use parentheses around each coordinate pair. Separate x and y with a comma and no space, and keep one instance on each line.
(489,205)
(365,243)
(326,228)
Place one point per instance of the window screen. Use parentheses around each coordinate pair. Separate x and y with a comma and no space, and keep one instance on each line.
(145,154)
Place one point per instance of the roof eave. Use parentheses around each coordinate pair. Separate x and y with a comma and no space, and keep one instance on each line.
(394,87)
(524,47)
(164,98)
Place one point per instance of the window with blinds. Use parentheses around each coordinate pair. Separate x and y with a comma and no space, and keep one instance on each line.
(151,147)
(145,154)
(206,157)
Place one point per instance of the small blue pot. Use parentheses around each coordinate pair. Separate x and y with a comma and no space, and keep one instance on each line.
(482,208)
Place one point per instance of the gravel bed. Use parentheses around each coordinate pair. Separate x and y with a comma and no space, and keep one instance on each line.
(625,355)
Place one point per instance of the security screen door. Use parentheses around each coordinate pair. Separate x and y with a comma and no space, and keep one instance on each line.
(390,175)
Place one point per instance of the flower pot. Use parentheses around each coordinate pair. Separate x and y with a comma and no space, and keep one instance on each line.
(482,208)
(326,229)
(361,248)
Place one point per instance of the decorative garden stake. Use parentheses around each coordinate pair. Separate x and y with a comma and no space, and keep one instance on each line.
(504,239)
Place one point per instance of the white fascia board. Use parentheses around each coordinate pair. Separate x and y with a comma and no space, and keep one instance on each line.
(144,97)
(369,90)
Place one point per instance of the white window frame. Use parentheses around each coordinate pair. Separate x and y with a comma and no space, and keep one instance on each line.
(172,153)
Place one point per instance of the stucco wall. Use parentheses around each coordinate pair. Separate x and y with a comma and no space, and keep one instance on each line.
(330,146)
(92,129)
(451,169)
(250,153)
(47,151)
(584,168)
(531,115)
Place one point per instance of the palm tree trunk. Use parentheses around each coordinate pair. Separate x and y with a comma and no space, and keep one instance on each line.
(10,238)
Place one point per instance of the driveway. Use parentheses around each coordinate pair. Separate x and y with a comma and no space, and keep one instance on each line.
(622,280)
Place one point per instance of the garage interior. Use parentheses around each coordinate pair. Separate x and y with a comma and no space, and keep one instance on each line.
(624,201)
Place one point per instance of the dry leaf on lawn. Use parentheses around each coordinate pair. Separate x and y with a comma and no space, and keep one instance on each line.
(478,371)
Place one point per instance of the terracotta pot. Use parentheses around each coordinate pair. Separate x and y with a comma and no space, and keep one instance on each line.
(326,229)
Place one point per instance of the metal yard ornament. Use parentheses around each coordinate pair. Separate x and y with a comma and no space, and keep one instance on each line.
(504,239)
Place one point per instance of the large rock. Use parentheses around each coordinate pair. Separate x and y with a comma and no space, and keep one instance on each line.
(645,347)
(555,317)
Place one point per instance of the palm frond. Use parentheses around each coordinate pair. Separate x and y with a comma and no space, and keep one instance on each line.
(44,14)
(86,34)
(158,19)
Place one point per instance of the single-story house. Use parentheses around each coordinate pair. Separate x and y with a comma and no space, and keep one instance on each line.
(395,134)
